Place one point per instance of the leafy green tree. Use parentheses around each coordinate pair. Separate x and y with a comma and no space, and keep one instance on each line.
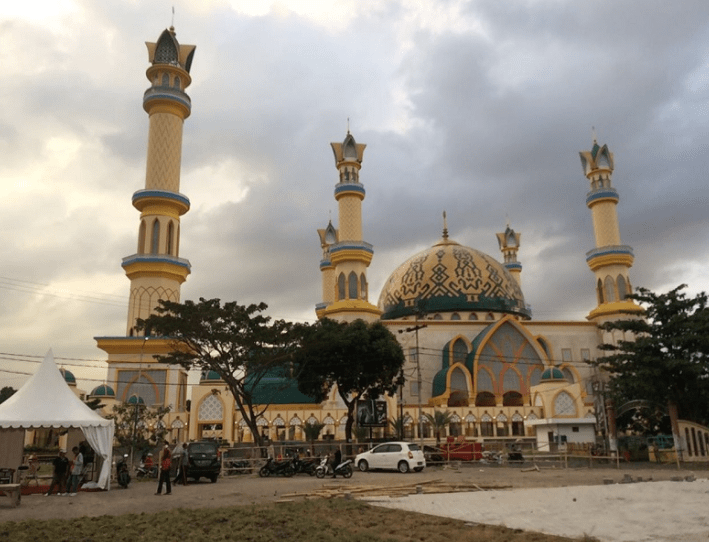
(238,342)
(137,426)
(6,393)
(439,420)
(360,359)
(663,358)
(312,432)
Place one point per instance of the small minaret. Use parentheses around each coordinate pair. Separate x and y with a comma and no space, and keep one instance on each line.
(345,255)
(156,271)
(509,245)
(610,260)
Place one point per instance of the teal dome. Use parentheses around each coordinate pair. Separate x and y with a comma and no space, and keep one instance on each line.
(209,376)
(133,399)
(68,376)
(552,373)
(103,391)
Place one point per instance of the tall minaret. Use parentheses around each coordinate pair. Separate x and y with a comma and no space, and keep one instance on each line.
(610,260)
(156,271)
(345,255)
(509,245)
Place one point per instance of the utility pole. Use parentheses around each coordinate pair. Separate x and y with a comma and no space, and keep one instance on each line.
(415,329)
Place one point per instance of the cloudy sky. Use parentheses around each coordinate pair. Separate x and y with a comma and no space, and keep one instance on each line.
(478,108)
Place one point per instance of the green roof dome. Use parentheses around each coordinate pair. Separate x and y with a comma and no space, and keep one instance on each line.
(450,277)
(68,376)
(552,373)
(103,391)
(207,376)
(133,399)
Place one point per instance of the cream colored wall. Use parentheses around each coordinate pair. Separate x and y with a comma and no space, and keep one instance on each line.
(605,223)
(164,152)
(350,218)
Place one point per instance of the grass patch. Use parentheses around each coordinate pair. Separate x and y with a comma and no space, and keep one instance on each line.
(316,521)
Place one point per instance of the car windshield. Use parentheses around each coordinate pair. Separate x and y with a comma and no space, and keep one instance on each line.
(202,449)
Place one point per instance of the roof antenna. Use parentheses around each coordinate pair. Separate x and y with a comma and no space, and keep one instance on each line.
(348,125)
(445,226)
(172,24)
(593,133)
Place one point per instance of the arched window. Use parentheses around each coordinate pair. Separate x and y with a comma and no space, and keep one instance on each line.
(599,291)
(473,316)
(363,286)
(455,316)
(165,80)
(460,351)
(353,284)
(141,238)
(155,238)
(170,233)
(341,287)
(489,316)
(485,398)
(177,241)
(176,83)
(512,398)
(437,317)
(622,288)
(609,289)
(564,405)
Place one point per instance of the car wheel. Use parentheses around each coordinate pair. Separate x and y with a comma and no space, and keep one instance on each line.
(348,471)
(403,467)
(363,465)
(264,472)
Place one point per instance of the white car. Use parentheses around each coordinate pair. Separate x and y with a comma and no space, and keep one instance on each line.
(401,456)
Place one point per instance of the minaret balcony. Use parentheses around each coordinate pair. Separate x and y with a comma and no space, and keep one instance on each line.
(149,197)
(610,255)
(602,194)
(156,265)
(355,189)
(168,95)
(351,250)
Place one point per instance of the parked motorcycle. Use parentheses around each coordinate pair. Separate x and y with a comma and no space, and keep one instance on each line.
(277,468)
(146,471)
(344,469)
(305,466)
(122,473)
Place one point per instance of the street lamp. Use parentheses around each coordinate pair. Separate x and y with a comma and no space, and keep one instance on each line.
(137,399)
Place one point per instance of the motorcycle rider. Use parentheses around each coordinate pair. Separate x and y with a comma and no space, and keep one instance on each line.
(336,462)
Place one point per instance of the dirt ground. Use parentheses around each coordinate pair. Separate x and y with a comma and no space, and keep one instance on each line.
(250,489)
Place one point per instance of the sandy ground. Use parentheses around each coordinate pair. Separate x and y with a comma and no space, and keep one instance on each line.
(652,510)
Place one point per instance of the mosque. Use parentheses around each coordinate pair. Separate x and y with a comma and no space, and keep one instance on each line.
(472,347)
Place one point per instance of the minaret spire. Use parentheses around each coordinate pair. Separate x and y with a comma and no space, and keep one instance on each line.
(445,227)
(346,256)
(509,242)
(610,260)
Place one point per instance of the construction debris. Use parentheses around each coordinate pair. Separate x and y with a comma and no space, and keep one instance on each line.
(334,490)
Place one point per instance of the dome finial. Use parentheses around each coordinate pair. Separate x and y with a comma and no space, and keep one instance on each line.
(445,226)
(593,134)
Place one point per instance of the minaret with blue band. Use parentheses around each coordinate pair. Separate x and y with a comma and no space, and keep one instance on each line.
(346,256)
(156,271)
(509,242)
(610,260)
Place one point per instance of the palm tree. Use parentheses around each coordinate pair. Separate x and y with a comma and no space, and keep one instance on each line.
(439,420)
(397,427)
(312,431)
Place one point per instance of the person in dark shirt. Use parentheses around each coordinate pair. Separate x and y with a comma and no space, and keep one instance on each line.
(61,470)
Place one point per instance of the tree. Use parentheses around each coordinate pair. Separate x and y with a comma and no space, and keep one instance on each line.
(137,426)
(439,420)
(237,342)
(360,359)
(312,432)
(6,393)
(664,358)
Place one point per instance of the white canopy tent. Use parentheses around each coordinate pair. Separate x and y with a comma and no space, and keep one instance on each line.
(47,401)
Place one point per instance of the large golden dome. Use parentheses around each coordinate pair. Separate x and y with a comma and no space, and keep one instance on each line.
(450,277)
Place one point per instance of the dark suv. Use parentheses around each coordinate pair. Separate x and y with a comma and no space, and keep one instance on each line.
(203,460)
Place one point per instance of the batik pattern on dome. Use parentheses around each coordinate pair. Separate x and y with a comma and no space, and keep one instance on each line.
(451,277)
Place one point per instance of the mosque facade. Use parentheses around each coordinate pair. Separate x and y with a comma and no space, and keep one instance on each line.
(472,346)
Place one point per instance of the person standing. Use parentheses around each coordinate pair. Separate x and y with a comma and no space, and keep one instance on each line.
(165,463)
(59,476)
(77,470)
(181,455)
